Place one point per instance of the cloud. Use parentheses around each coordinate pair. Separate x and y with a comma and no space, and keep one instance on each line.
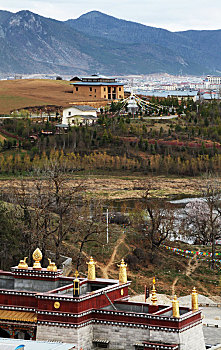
(170,14)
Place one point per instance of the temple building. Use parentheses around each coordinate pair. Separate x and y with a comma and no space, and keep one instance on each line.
(97,88)
(42,304)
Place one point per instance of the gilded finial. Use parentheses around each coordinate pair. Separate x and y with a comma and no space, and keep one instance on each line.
(37,257)
(176,310)
(91,269)
(52,267)
(195,306)
(154,294)
(76,275)
(122,272)
(22,264)
(76,285)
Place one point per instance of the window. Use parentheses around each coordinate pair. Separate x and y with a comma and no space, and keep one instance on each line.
(95,90)
(94,95)
(120,96)
(90,88)
(104,96)
(119,89)
(76,88)
(69,113)
(104,89)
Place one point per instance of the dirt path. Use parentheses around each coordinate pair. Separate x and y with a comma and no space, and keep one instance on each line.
(106,268)
(174,284)
(189,270)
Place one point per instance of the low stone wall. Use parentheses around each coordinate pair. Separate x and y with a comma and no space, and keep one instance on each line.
(121,337)
(82,336)
(57,333)
(192,338)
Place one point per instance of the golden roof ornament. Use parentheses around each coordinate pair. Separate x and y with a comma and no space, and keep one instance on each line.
(52,267)
(76,275)
(154,294)
(176,310)
(22,264)
(195,306)
(91,269)
(122,272)
(76,285)
(37,257)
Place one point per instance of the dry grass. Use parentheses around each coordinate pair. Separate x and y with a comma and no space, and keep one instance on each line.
(113,187)
(16,94)
(2,138)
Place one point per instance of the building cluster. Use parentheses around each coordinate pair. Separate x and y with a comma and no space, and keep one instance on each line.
(89,94)
(164,85)
(42,304)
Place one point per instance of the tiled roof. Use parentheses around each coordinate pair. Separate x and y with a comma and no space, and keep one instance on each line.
(18,316)
(83,108)
(88,83)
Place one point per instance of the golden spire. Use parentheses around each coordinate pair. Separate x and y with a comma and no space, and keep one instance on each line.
(76,275)
(52,267)
(122,272)
(176,310)
(37,257)
(76,285)
(195,306)
(154,294)
(91,269)
(22,264)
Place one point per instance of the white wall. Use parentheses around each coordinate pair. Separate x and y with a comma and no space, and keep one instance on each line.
(75,111)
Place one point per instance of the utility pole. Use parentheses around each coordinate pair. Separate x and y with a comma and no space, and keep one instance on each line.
(107,228)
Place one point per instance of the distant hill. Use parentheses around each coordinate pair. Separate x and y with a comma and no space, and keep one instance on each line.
(96,42)
(194,50)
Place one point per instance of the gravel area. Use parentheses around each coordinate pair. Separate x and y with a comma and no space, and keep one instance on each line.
(186,301)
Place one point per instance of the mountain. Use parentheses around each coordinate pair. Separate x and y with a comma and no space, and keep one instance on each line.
(4,16)
(200,49)
(96,42)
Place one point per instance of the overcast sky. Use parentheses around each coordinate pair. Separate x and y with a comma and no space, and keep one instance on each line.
(169,14)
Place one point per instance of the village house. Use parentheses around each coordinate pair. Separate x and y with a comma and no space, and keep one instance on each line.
(97,88)
(79,115)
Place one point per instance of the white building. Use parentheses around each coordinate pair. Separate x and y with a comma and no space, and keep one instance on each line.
(212,82)
(79,115)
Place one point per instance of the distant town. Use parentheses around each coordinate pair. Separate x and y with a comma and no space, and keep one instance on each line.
(159,84)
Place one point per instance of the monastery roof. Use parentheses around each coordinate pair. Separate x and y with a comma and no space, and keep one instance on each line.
(86,83)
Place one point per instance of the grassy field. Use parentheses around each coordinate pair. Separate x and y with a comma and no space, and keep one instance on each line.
(16,94)
(129,187)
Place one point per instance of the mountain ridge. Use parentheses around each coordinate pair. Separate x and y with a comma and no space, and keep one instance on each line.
(31,43)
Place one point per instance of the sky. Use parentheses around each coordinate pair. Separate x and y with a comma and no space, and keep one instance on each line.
(173,15)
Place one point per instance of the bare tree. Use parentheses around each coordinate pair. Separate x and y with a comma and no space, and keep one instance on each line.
(45,209)
(203,217)
(154,219)
(89,226)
